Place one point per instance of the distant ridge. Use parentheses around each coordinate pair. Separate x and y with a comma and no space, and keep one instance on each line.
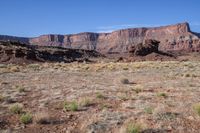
(172,37)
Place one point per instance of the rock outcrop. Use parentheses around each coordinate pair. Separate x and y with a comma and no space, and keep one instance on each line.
(15,52)
(172,38)
(143,49)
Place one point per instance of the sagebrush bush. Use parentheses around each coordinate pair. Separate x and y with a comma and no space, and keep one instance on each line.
(73,106)
(26,118)
(162,94)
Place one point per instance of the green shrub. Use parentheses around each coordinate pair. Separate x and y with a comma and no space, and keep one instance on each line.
(73,106)
(26,118)
(162,94)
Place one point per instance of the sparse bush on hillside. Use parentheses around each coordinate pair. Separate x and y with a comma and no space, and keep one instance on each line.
(16,109)
(26,118)
(73,106)
(162,94)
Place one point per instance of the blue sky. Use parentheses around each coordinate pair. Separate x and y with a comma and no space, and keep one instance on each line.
(36,17)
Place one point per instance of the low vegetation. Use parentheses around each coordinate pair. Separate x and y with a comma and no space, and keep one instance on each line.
(162,94)
(148,110)
(26,118)
(133,128)
(196,108)
(16,109)
(2,98)
(86,102)
(99,95)
(70,106)
(20,88)
(14,69)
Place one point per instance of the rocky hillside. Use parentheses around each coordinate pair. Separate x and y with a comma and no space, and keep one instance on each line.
(15,52)
(173,37)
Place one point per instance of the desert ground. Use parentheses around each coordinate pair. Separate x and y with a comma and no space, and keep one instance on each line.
(103,97)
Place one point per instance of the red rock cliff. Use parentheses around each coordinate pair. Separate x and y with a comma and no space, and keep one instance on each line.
(172,37)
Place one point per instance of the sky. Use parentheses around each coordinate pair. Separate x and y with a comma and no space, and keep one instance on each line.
(30,18)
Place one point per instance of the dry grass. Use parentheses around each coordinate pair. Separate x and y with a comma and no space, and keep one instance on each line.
(196,108)
(16,109)
(162,89)
(42,118)
(85,102)
(14,69)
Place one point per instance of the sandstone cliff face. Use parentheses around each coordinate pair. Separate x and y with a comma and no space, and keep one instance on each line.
(173,37)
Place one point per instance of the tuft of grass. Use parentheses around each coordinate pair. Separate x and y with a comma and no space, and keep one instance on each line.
(73,106)
(42,118)
(14,69)
(20,89)
(105,106)
(196,108)
(133,128)
(26,118)
(2,98)
(99,95)
(16,109)
(124,81)
(138,88)
(34,66)
(148,110)
(86,102)
(162,94)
